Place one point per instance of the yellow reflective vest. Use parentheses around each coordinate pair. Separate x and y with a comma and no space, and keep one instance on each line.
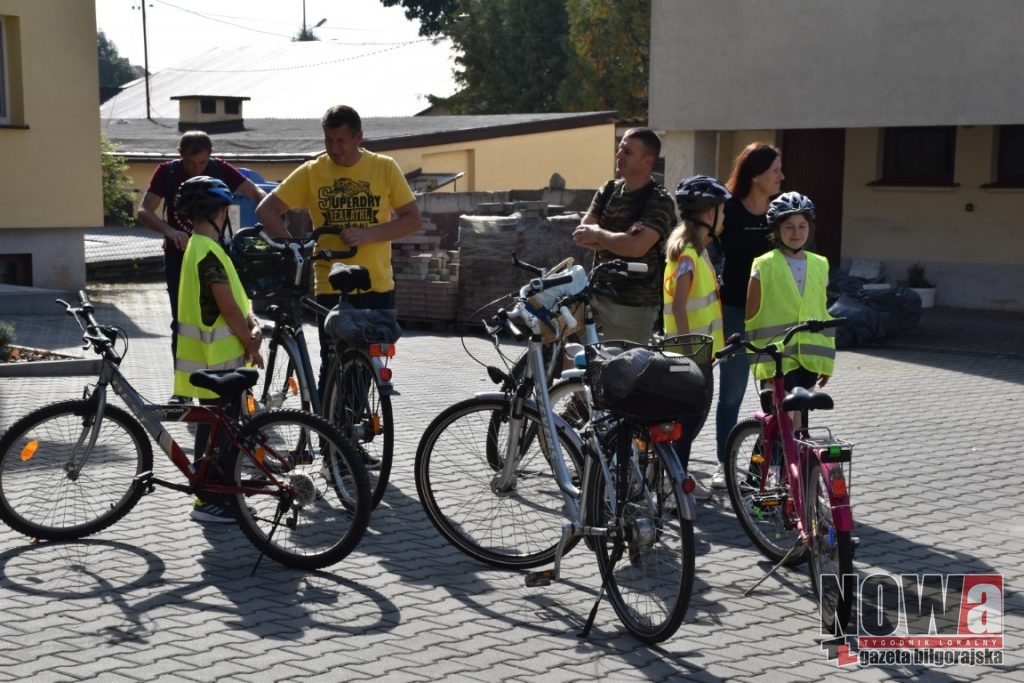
(783,306)
(703,305)
(201,346)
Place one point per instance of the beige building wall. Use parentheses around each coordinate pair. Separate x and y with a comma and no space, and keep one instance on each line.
(50,159)
(814,64)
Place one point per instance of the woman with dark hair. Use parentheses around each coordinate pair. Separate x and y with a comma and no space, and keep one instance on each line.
(756,177)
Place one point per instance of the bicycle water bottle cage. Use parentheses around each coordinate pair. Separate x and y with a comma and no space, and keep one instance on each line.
(346,279)
(228,383)
(803,399)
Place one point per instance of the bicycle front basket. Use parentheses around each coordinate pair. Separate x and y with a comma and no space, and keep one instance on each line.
(265,272)
(650,383)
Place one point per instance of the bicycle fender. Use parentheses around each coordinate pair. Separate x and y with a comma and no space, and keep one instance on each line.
(689,505)
(561,425)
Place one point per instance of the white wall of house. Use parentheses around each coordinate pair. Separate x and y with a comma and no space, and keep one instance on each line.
(724,74)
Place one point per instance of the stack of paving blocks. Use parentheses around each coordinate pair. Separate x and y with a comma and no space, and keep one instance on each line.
(426,277)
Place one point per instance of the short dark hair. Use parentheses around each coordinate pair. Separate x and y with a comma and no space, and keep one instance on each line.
(648,138)
(342,115)
(755,159)
(192,141)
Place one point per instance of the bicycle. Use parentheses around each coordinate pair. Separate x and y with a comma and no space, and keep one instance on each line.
(358,389)
(620,486)
(75,467)
(791,488)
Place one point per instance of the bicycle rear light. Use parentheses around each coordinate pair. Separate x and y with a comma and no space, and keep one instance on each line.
(838,483)
(382,350)
(689,485)
(385,374)
(666,431)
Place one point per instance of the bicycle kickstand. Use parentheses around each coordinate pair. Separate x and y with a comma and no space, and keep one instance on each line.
(796,546)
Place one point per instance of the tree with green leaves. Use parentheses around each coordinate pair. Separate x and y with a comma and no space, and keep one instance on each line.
(118,203)
(542,56)
(115,70)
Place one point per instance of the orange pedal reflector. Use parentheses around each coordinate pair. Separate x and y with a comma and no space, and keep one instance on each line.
(376,424)
(260,454)
(293,385)
(250,403)
(29,450)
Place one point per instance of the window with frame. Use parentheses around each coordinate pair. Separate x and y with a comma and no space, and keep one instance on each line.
(1010,156)
(918,155)
(207,105)
(232,106)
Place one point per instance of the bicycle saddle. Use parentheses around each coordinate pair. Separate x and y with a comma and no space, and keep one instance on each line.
(804,399)
(345,278)
(228,383)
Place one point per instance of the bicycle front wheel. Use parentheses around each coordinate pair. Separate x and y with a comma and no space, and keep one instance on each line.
(767,516)
(354,403)
(647,554)
(320,514)
(52,486)
(830,554)
(285,383)
(516,527)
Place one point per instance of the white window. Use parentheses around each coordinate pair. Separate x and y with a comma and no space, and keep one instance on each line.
(5,114)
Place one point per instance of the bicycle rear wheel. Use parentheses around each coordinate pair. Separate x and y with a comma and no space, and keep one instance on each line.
(50,490)
(830,553)
(284,384)
(322,513)
(515,529)
(647,557)
(354,403)
(767,517)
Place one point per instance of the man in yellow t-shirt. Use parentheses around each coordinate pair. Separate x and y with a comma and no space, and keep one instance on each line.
(362,193)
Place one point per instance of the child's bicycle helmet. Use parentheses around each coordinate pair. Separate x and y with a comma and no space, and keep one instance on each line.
(787,204)
(698,194)
(201,196)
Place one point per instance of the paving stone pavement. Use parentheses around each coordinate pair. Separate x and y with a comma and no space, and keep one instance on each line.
(160,598)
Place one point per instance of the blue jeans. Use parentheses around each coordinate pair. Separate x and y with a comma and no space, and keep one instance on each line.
(734,375)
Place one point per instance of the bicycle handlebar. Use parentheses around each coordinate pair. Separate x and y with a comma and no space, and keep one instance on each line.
(736,342)
(295,244)
(95,335)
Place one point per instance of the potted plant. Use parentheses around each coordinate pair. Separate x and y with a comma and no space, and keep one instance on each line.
(917,280)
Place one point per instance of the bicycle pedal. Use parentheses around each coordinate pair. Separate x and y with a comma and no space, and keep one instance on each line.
(542,578)
(768,500)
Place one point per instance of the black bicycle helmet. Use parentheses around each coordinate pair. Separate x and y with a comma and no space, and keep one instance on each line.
(201,196)
(787,204)
(698,194)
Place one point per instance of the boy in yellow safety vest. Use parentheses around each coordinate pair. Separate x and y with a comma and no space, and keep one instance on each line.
(216,327)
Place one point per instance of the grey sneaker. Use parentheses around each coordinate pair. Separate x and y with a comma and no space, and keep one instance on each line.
(718,478)
(212,512)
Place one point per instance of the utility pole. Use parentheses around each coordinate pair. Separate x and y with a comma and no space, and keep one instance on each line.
(145,56)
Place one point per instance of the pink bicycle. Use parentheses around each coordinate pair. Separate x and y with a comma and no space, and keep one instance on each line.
(790,487)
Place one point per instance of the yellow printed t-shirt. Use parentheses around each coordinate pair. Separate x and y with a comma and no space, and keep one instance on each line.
(361,196)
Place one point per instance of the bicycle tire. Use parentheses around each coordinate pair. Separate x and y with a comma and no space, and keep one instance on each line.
(518,529)
(567,401)
(40,499)
(284,381)
(829,552)
(330,510)
(771,528)
(355,404)
(647,561)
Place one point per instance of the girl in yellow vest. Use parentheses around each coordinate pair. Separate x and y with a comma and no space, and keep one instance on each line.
(690,300)
(216,327)
(788,285)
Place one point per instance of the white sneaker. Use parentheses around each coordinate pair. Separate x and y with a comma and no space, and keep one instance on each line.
(718,478)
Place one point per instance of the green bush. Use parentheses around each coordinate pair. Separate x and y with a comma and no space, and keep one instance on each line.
(118,201)
(6,337)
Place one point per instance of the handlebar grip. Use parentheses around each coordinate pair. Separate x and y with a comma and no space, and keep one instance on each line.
(568,319)
(555,281)
(636,267)
(819,325)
